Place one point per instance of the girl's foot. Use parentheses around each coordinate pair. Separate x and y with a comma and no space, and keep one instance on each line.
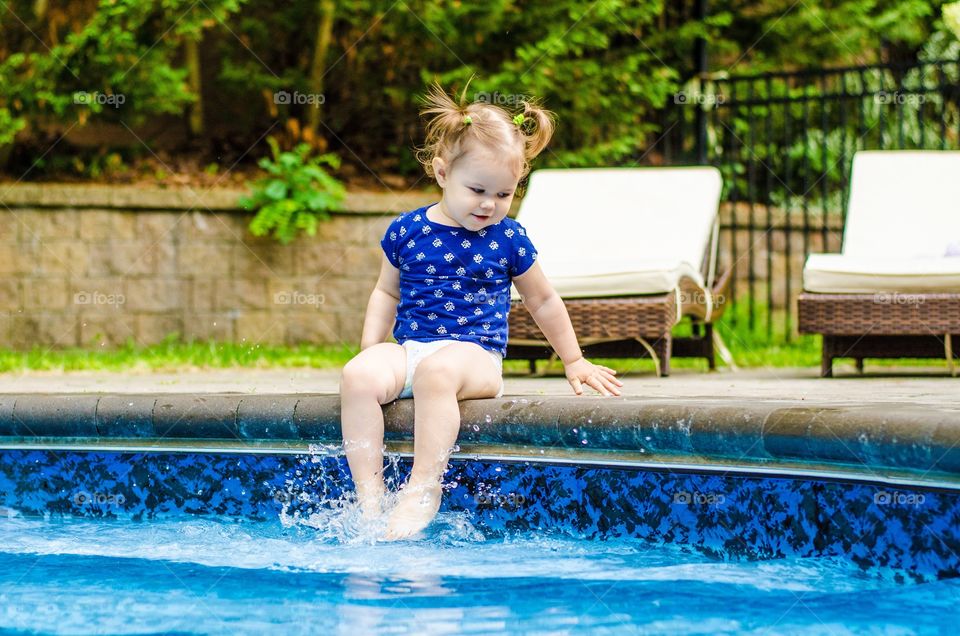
(370,498)
(418,505)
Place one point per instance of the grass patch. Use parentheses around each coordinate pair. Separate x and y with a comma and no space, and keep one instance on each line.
(751,349)
(175,356)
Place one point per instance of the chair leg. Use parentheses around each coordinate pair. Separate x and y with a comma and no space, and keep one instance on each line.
(664,349)
(708,347)
(859,365)
(826,361)
(533,366)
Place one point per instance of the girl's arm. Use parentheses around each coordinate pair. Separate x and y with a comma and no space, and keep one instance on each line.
(382,306)
(550,314)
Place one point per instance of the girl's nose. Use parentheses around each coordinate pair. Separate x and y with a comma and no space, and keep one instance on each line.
(487,205)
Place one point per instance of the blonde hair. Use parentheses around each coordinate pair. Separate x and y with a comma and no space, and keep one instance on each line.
(454,125)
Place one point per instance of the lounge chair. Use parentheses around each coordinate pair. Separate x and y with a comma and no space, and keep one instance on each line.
(631,251)
(894,290)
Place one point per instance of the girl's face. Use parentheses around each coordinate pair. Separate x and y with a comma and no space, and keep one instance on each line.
(477,190)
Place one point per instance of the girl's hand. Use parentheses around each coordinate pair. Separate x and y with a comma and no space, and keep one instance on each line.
(600,378)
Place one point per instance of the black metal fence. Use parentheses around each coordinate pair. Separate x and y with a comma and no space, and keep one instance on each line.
(784,143)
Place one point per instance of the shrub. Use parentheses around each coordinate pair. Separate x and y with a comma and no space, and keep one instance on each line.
(296,195)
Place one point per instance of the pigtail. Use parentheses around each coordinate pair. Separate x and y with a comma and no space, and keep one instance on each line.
(537,128)
(447,122)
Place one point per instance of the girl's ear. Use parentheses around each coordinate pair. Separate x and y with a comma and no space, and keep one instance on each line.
(440,171)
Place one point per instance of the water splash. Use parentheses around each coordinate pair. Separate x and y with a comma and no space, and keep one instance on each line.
(318,501)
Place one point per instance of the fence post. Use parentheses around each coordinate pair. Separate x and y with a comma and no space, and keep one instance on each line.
(700,64)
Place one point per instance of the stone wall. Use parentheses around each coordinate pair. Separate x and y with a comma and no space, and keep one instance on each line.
(96,266)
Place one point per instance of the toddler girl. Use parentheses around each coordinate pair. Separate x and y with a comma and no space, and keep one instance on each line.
(445,282)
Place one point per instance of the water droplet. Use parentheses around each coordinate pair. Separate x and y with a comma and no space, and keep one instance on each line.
(583,441)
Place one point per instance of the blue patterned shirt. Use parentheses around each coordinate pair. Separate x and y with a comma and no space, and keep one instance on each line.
(455,282)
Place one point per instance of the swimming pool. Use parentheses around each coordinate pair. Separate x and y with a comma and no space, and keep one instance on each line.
(126,531)
(227,542)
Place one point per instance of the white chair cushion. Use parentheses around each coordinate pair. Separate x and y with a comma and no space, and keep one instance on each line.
(903,204)
(842,274)
(604,278)
(620,231)
(903,217)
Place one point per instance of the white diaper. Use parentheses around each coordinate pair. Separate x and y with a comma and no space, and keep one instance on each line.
(417,351)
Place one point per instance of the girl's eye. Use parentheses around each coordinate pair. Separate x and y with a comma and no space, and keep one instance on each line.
(477,190)
(503,195)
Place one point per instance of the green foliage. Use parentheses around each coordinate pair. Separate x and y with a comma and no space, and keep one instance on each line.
(603,77)
(193,18)
(9,126)
(110,56)
(783,34)
(119,62)
(951,18)
(606,68)
(296,195)
(807,143)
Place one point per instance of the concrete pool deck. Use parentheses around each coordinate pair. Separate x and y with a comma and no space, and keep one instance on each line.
(915,386)
(885,427)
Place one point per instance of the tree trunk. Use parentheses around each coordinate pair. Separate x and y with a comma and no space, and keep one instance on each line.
(317,68)
(192,50)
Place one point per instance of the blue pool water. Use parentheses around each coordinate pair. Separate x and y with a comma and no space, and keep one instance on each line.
(224,576)
(151,542)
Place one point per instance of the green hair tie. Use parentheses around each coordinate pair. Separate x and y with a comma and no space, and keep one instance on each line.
(467,120)
(519,119)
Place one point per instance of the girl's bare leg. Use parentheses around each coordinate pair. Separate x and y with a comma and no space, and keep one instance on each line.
(374,377)
(458,371)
